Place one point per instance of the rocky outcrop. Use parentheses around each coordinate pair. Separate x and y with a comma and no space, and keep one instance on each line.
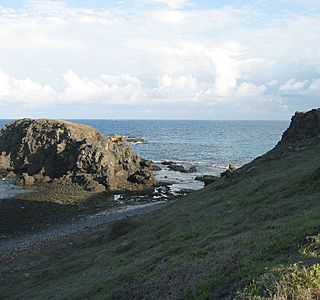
(227,173)
(207,179)
(303,131)
(64,152)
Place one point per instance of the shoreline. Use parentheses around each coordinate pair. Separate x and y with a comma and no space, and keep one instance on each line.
(17,244)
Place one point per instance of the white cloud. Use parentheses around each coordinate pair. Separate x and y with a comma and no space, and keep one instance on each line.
(105,89)
(25,91)
(168,17)
(246,89)
(294,87)
(167,52)
(315,87)
(174,4)
(272,82)
(183,88)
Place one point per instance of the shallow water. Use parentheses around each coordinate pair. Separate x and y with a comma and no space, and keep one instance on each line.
(8,189)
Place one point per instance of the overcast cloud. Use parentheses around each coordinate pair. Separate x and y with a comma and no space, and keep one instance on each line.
(159,59)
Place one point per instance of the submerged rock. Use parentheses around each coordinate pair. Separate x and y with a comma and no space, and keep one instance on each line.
(65,152)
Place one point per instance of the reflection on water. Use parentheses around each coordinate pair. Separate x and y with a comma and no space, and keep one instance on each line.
(9,189)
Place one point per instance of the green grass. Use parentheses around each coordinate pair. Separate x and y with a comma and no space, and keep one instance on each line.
(217,243)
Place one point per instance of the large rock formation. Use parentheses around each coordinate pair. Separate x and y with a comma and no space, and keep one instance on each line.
(65,152)
(303,131)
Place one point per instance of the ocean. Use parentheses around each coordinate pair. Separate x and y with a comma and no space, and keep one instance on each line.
(209,145)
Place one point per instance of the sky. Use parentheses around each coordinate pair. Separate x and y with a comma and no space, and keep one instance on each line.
(159,59)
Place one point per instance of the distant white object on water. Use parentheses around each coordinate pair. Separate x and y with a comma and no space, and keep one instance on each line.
(3,179)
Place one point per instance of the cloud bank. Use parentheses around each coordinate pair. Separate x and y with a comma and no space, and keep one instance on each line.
(244,61)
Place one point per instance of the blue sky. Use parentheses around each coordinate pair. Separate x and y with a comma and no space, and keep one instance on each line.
(162,59)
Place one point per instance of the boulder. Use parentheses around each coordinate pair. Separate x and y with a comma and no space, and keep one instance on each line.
(25,179)
(192,169)
(177,168)
(69,153)
(168,163)
(182,169)
(207,179)
(229,171)
(154,168)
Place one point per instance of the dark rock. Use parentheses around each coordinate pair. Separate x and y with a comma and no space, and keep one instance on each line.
(231,169)
(182,169)
(192,169)
(177,168)
(168,163)
(303,131)
(145,163)
(154,168)
(140,177)
(65,153)
(207,179)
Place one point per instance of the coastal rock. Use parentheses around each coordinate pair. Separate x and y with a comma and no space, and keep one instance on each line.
(69,153)
(154,168)
(192,169)
(25,179)
(303,131)
(168,163)
(177,168)
(229,171)
(128,139)
(207,179)
(182,169)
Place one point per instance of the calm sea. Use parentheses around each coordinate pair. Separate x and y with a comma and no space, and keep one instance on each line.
(210,145)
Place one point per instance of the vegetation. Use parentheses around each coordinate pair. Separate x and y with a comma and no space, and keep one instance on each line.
(251,236)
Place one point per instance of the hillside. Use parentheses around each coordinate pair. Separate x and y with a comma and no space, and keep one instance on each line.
(253,235)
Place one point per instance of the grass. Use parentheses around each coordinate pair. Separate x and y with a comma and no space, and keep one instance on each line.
(245,237)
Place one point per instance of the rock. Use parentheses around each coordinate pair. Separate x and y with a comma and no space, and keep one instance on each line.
(207,179)
(140,177)
(137,140)
(69,153)
(5,162)
(192,169)
(145,163)
(177,168)
(154,168)
(11,174)
(182,169)
(229,171)
(168,163)
(304,131)
(25,179)
(128,139)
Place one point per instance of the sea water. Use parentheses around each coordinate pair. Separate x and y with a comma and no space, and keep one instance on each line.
(209,145)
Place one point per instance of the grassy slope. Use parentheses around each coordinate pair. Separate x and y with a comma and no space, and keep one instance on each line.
(209,245)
